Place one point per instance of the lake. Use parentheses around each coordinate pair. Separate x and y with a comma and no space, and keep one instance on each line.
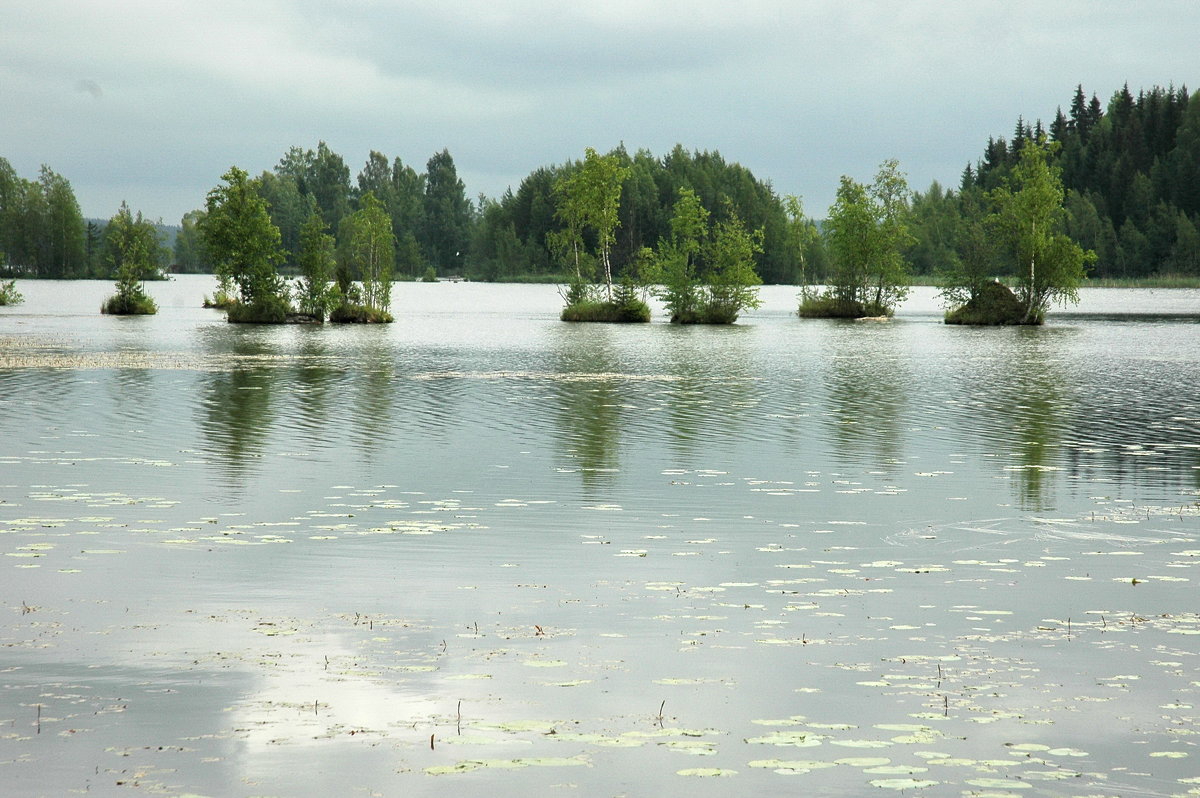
(483,552)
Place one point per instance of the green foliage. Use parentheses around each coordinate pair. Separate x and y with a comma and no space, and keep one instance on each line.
(1129,172)
(430,275)
(370,252)
(732,284)
(935,225)
(585,302)
(447,219)
(289,209)
(867,232)
(674,264)
(221,299)
(315,260)
(550,240)
(973,259)
(802,235)
(705,275)
(579,291)
(42,232)
(520,234)
(9,295)
(1028,220)
(191,257)
(134,252)
(589,199)
(245,246)
(321,177)
(614,311)
(496,252)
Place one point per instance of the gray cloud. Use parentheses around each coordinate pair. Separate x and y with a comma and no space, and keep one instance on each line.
(90,87)
(800,92)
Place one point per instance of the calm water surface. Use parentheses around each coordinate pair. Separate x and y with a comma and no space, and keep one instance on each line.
(481,551)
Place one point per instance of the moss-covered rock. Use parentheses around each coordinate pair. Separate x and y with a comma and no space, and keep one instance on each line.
(993,304)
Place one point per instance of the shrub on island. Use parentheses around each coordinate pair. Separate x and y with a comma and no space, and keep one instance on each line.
(584,302)
(267,308)
(9,295)
(830,306)
(359,314)
(129,304)
(637,312)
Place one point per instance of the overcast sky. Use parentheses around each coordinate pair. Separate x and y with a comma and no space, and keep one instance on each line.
(150,101)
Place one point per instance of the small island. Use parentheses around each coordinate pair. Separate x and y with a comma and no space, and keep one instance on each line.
(134,253)
(867,233)
(1021,222)
(245,246)
(370,252)
(589,198)
(704,274)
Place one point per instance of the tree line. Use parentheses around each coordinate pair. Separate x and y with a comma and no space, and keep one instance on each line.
(439,230)
(44,234)
(42,231)
(1130,172)
(430,215)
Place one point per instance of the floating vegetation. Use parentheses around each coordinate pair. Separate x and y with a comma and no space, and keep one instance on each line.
(508,764)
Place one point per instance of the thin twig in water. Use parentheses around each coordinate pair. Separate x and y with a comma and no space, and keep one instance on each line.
(460,717)
(659,719)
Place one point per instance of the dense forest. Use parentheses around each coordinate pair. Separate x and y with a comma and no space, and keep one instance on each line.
(1131,171)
